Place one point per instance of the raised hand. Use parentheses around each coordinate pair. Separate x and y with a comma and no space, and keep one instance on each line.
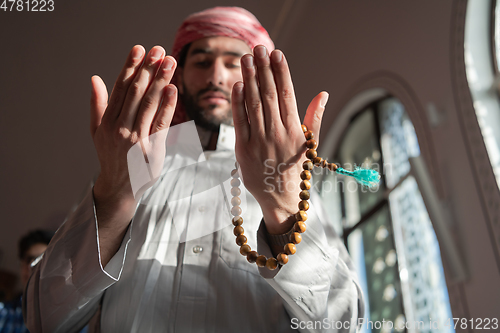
(270,144)
(142,103)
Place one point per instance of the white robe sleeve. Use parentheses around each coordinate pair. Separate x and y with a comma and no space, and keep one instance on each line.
(67,284)
(318,284)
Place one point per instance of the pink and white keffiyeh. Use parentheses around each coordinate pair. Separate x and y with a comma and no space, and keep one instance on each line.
(233,22)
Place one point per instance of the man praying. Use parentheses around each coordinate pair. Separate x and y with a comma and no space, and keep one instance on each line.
(162,257)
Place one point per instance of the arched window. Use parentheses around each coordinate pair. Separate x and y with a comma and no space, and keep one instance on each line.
(388,231)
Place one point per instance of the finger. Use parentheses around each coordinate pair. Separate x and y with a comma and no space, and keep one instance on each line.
(286,93)
(127,74)
(252,96)
(98,103)
(314,113)
(240,117)
(165,114)
(267,87)
(139,86)
(152,99)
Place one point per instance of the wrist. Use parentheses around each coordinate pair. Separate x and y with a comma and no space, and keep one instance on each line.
(279,220)
(112,204)
(277,242)
(112,190)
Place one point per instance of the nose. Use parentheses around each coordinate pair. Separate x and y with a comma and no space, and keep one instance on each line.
(218,74)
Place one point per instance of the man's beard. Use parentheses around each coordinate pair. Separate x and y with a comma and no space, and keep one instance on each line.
(202,116)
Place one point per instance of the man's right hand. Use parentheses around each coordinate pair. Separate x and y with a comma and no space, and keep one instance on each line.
(142,103)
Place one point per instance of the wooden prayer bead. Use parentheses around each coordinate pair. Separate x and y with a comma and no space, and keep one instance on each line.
(305,175)
(299,227)
(235,182)
(332,167)
(235,191)
(234,173)
(307,165)
(290,249)
(309,135)
(304,195)
(305,185)
(301,215)
(311,154)
(261,261)
(272,264)
(324,163)
(238,230)
(236,211)
(311,144)
(295,238)
(245,249)
(252,256)
(237,220)
(303,205)
(241,239)
(304,128)
(235,201)
(282,258)
(317,161)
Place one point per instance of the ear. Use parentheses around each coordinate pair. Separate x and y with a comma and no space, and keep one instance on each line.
(179,76)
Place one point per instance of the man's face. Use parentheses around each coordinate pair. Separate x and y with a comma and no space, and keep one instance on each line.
(211,69)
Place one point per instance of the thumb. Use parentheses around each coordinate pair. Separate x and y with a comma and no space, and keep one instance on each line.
(98,103)
(314,113)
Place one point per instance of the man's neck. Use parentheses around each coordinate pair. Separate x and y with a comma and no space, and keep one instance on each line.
(208,139)
(213,141)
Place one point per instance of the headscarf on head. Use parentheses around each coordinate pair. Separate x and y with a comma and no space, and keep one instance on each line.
(232,22)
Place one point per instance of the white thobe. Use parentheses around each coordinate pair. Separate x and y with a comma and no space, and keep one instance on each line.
(157,282)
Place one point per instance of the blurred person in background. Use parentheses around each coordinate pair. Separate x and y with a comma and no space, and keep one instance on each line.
(31,247)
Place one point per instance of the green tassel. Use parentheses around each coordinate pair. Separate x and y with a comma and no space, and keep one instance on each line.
(366,177)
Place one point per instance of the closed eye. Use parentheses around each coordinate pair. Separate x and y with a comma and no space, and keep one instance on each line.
(233,65)
(203,64)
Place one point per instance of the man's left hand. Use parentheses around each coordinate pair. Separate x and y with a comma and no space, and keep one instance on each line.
(270,143)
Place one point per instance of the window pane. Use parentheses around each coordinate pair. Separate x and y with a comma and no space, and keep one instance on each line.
(398,140)
(421,270)
(482,76)
(360,148)
(376,260)
(497,35)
